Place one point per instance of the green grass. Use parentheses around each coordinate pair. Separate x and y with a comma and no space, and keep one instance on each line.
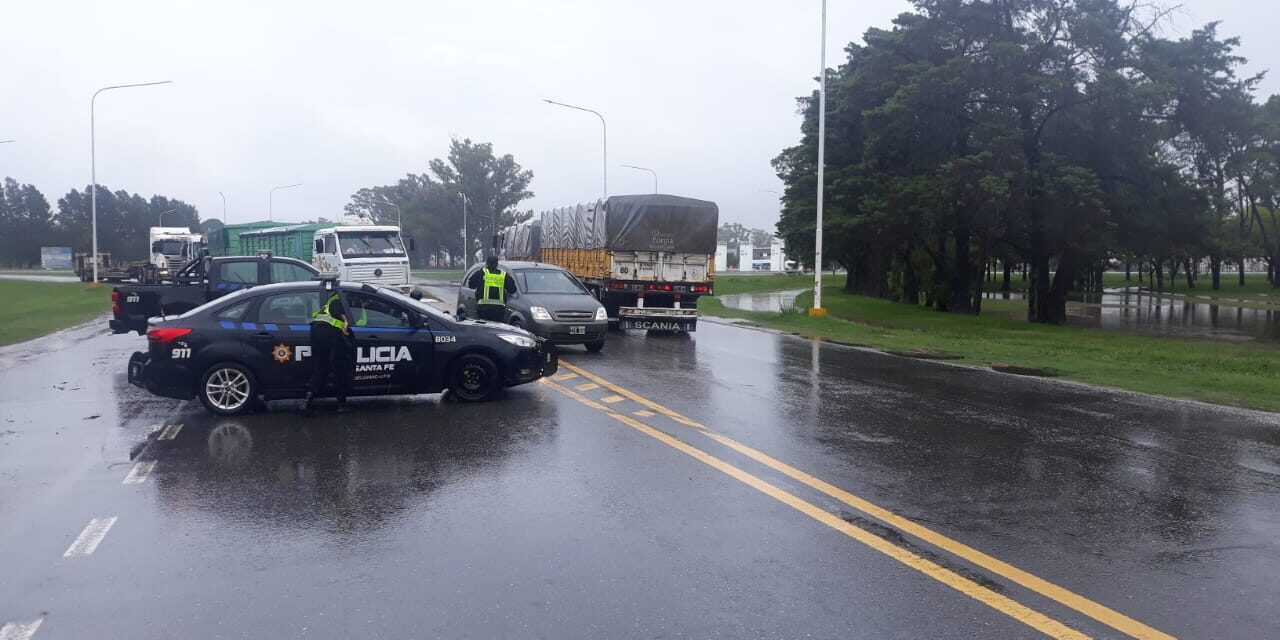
(728,284)
(447,275)
(1240,375)
(33,309)
(37,272)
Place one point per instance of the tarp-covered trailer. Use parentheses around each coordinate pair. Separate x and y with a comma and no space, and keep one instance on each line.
(648,258)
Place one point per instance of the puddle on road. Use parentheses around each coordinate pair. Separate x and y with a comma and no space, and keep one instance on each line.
(775,301)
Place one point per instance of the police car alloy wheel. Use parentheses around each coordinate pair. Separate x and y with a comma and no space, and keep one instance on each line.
(227,389)
(474,378)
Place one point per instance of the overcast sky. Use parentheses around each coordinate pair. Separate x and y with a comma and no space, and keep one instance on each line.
(340,96)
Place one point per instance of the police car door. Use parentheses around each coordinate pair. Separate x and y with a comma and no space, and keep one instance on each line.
(391,353)
(280,339)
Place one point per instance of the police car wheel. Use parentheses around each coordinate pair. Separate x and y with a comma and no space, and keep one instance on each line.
(474,378)
(595,347)
(228,389)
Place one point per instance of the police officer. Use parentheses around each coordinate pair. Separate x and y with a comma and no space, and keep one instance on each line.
(330,352)
(491,285)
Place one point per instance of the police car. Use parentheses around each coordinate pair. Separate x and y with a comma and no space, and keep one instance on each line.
(253,345)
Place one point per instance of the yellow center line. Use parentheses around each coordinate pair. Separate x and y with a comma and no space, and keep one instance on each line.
(1066,597)
(999,602)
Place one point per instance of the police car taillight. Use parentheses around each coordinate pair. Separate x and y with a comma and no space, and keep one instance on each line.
(165,334)
(115,296)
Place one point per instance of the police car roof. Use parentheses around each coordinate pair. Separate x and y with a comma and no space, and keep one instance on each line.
(522,264)
(303,285)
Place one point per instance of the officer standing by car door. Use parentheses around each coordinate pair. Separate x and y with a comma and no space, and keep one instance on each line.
(330,351)
(492,286)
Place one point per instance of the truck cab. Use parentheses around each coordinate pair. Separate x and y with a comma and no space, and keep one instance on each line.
(171,248)
(363,253)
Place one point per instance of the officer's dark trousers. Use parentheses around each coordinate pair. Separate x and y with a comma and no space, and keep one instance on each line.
(494,312)
(332,355)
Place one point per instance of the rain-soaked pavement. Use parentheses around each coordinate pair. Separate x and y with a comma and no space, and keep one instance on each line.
(733,483)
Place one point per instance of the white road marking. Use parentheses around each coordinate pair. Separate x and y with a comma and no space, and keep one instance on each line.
(89,539)
(139,472)
(20,630)
(170,432)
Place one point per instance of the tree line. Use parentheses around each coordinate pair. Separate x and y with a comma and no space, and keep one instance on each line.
(1059,137)
(431,204)
(28,222)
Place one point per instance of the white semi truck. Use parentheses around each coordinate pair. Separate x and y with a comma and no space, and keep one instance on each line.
(171,249)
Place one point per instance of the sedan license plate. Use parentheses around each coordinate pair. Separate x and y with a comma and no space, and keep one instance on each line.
(577,330)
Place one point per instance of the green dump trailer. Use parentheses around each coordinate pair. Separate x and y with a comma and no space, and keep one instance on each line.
(226,241)
(292,241)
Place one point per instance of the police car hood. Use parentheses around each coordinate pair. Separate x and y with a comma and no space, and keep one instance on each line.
(496,327)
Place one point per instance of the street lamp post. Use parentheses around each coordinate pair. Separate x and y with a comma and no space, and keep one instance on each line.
(271,203)
(604,128)
(93,165)
(160,222)
(466,251)
(817,309)
(224,207)
(655,174)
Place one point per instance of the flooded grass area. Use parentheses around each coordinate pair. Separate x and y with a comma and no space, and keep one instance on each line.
(33,309)
(1218,371)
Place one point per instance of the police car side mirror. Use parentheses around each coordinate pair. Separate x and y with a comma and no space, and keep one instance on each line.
(415,321)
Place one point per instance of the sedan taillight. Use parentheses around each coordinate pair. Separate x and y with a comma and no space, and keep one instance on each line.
(165,335)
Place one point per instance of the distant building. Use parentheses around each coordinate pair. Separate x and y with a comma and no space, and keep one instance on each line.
(770,258)
(722,257)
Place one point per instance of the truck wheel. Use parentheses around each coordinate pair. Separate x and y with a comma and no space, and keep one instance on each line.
(474,378)
(227,389)
(595,347)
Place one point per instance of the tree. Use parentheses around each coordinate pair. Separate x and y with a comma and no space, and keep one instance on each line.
(431,203)
(124,220)
(1057,134)
(25,224)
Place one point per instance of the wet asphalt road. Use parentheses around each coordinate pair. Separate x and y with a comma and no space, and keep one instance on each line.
(719,485)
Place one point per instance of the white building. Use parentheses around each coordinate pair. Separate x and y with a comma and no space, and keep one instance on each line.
(722,257)
(770,258)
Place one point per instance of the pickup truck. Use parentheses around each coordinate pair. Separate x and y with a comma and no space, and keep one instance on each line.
(197,283)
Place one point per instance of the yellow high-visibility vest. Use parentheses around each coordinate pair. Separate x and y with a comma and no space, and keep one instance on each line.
(322,314)
(494,290)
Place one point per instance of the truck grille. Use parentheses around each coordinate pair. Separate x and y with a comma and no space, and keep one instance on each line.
(391,273)
(575,315)
(174,264)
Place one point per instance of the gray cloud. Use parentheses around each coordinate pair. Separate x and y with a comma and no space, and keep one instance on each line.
(344,95)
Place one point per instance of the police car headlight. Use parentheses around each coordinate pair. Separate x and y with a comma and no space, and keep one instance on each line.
(540,313)
(601,315)
(519,340)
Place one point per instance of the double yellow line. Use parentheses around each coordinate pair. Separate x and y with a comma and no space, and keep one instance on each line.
(1016,610)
